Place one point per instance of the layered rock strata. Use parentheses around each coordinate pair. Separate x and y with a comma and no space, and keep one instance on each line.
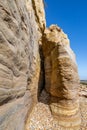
(31,58)
(19,60)
(61,77)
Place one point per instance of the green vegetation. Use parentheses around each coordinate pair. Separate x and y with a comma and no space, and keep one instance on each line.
(84,82)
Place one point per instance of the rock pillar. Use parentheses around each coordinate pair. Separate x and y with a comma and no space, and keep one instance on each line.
(61,77)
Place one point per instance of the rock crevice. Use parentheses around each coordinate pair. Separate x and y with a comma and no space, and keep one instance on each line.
(37,67)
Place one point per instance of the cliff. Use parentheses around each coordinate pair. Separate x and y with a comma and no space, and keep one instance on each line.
(38,72)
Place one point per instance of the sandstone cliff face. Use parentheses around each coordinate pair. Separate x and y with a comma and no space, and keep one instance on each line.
(38,71)
(19,60)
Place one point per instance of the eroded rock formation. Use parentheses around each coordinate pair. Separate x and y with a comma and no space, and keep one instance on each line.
(61,77)
(19,60)
(35,61)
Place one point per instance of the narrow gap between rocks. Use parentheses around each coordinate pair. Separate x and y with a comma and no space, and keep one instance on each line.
(41,84)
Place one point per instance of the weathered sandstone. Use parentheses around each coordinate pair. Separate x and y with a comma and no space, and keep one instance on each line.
(61,77)
(38,72)
(19,60)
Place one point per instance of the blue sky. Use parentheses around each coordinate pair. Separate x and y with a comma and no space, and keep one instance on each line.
(71,16)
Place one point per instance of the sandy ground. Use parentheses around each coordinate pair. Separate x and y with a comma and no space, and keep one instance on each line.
(42,119)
